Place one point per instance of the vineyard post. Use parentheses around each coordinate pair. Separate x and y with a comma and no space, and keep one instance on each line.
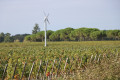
(31,71)
(91,58)
(4,71)
(73,71)
(39,69)
(48,78)
(14,71)
(81,61)
(58,67)
(43,78)
(23,70)
(95,58)
(99,58)
(46,68)
(65,66)
(117,56)
(71,61)
(52,69)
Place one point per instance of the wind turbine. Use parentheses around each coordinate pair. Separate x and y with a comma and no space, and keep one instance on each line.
(45,25)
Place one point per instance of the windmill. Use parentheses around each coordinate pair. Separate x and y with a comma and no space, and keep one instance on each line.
(45,25)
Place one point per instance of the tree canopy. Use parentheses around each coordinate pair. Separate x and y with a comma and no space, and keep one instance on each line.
(80,34)
(67,34)
(36,29)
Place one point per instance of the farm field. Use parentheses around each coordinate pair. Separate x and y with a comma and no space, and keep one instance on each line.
(85,60)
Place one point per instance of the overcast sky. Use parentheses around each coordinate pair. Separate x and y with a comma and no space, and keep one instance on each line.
(20,16)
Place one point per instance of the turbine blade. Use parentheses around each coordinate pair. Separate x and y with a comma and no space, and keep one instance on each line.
(47,15)
(48,21)
(44,13)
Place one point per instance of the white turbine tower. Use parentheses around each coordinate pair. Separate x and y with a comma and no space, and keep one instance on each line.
(45,25)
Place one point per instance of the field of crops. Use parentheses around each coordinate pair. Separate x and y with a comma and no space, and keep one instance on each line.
(59,60)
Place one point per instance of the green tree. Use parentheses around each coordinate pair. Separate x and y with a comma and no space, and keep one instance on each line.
(103,33)
(72,36)
(33,37)
(112,34)
(96,35)
(87,31)
(119,35)
(82,34)
(40,36)
(49,32)
(36,29)
(19,37)
(2,35)
(65,34)
(115,34)
(27,38)
(55,36)
(8,38)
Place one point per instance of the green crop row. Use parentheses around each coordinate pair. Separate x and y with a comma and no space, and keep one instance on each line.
(21,53)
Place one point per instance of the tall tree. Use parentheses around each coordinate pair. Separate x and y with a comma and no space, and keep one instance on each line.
(2,35)
(36,29)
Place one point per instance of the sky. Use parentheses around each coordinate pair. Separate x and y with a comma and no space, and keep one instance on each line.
(20,16)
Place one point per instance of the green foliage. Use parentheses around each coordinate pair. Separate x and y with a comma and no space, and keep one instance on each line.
(36,29)
(27,38)
(2,35)
(64,34)
(12,53)
(8,38)
(55,36)
(19,37)
(119,34)
(96,35)
(67,34)
(49,32)
(38,37)
(82,34)
(112,34)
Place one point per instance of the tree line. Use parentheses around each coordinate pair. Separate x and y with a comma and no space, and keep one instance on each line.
(67,34)
(6,37)
(70,34)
